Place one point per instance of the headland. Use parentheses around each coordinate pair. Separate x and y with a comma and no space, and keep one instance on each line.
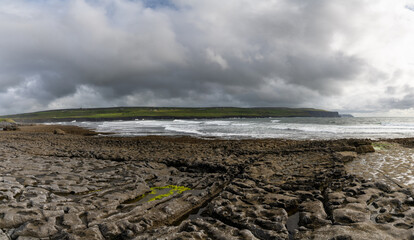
(131,113)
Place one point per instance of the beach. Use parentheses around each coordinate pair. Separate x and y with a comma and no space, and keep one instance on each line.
(66,182)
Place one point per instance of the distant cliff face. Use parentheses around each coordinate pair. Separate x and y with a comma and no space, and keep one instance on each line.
(323,114)
(346,115)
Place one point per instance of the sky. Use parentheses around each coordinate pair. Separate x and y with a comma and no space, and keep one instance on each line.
(353,56)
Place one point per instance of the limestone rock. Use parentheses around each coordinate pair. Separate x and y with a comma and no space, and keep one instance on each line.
(72,220)
(384,218)
(356,231)
(346,156)
(365,149)
(11,127)
(59,132)
(348,215)
(89,233)
(3,235)
(38,229)
(383,186)
(77,187)
(313,215)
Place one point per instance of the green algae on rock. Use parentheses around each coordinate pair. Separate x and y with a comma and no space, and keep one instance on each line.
(382,145)
(173,189)
(158,193)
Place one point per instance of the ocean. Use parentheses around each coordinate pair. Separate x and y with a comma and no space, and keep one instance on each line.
(242,128)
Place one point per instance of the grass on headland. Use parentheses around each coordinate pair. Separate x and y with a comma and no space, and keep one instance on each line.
(8,120)
(167,112)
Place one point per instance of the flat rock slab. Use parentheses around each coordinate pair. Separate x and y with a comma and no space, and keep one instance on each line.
(391,163)
(73,186)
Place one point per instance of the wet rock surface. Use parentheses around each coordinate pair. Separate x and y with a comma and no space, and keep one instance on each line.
(392,163)
(77,186)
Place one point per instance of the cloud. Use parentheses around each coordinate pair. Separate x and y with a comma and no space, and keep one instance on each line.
(215,58)
(410,7)
(90,53)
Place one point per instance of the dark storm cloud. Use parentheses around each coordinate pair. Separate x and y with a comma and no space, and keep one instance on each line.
(187,53)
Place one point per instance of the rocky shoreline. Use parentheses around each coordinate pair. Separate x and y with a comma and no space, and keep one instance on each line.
(67,183)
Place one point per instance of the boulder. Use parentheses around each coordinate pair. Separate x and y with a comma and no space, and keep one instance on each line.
(313,215)
(346,156)
(384,218)
(383,186)
(59,132)
(11,127)
(3,236)
(349,215)
(365,149)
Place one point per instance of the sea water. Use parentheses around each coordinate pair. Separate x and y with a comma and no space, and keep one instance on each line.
(241,128)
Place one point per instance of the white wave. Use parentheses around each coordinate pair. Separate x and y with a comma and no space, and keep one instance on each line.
(141,123)
(218,123)
(306,128)
(293,128)
(55,123)
(398,124)
(185,121)
(183,130)
(242,124)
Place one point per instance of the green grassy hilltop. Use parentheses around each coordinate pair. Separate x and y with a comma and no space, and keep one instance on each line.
(6,120)
(124,113)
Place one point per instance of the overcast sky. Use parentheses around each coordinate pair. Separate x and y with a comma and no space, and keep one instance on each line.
(353,56)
